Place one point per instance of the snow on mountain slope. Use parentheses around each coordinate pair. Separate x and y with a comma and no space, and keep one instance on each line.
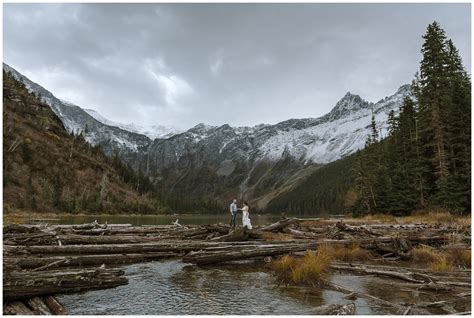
(152,131)
(341,132)
(76,121)
(310,140)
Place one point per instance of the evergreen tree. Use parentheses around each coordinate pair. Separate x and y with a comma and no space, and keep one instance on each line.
(425,160)
(434,101)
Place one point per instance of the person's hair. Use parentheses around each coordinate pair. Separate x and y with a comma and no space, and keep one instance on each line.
(245,202)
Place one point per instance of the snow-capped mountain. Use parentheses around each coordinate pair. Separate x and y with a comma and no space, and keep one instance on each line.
(151,131)
(312,140)
(76,120)
(217,162)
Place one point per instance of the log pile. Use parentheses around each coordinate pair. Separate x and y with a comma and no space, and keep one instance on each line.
(41,261)
(34,306)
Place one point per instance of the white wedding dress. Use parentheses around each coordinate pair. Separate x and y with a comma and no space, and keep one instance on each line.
(245,218)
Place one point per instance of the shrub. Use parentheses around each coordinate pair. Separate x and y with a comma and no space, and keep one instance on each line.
(283,268)
(442,265)
(460,257)
(349,254)
(308,270)
(424,254)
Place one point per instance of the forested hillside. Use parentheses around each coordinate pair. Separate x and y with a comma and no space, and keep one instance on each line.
(45,169)
(423,163)
(426,160)
(325,191)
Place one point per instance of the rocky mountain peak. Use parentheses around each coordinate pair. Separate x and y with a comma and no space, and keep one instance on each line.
(347,105)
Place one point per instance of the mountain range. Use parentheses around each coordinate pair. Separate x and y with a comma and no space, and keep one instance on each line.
(209,163)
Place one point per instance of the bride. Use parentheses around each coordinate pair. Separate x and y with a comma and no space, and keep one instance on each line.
(245,216)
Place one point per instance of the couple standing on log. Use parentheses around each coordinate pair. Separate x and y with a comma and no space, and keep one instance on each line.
(245,214)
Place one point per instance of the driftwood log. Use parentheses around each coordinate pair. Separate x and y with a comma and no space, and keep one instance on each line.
(26,284)
(55,306)
(335,309)
(205,257)
(39,306)
(37,263)
(17,308)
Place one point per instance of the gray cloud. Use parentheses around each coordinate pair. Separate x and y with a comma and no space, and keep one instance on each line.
(242,64)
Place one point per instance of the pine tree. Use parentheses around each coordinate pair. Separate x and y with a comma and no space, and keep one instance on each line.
(434,100)
(425,160)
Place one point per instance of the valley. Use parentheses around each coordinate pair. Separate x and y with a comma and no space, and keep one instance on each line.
(210,164)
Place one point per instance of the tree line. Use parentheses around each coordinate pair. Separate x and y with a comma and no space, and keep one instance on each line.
(425,161)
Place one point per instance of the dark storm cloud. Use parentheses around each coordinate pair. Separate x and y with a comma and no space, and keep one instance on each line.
(243,64)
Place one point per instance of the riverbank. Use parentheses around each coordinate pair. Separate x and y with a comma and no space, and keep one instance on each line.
(430,217)
(399,253)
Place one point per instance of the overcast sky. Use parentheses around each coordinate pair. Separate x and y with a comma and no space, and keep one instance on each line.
(242,64)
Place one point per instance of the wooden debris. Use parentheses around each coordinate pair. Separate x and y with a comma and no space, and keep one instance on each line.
(26,284)
(55,306)
(38,306)
(409,277)
(41,263)
(205,257)
(359,294)
(335,309)
(280,225)
(17,308)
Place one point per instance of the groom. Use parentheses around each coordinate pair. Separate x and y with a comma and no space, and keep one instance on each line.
(233,213)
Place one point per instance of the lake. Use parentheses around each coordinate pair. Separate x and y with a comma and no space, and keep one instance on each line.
(174,288)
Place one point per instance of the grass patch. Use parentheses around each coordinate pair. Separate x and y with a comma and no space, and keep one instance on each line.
(308,270)
(348,253)
(442,264)
(440,217)
(425,254)
(460,257)
(442,261)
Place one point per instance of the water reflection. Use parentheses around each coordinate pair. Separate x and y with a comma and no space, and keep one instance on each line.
(172,287)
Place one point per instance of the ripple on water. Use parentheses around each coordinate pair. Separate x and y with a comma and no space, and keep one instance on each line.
(172,287)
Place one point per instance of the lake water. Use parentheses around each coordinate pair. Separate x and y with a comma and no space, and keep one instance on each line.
(174,288)
(188,219)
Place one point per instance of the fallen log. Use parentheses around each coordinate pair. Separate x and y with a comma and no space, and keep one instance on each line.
(239,234)
(173,246)
(335,309)
(358,229)
(26,284)
(71,239)
(346,290)
(55,306)
(17,228)
(300,234)
(38,306)
(206,257)
(40,263)
(456,273)
(408,276)
(49,265)
(278,226)
(29,239)
(89,226)
(17,308)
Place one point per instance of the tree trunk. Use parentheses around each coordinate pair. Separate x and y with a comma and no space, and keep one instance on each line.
(27,284)
(17,308)
(239,253)
(38,306)
(55,306)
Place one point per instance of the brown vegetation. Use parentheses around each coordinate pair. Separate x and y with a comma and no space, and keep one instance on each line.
(308,270)
(48,170)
